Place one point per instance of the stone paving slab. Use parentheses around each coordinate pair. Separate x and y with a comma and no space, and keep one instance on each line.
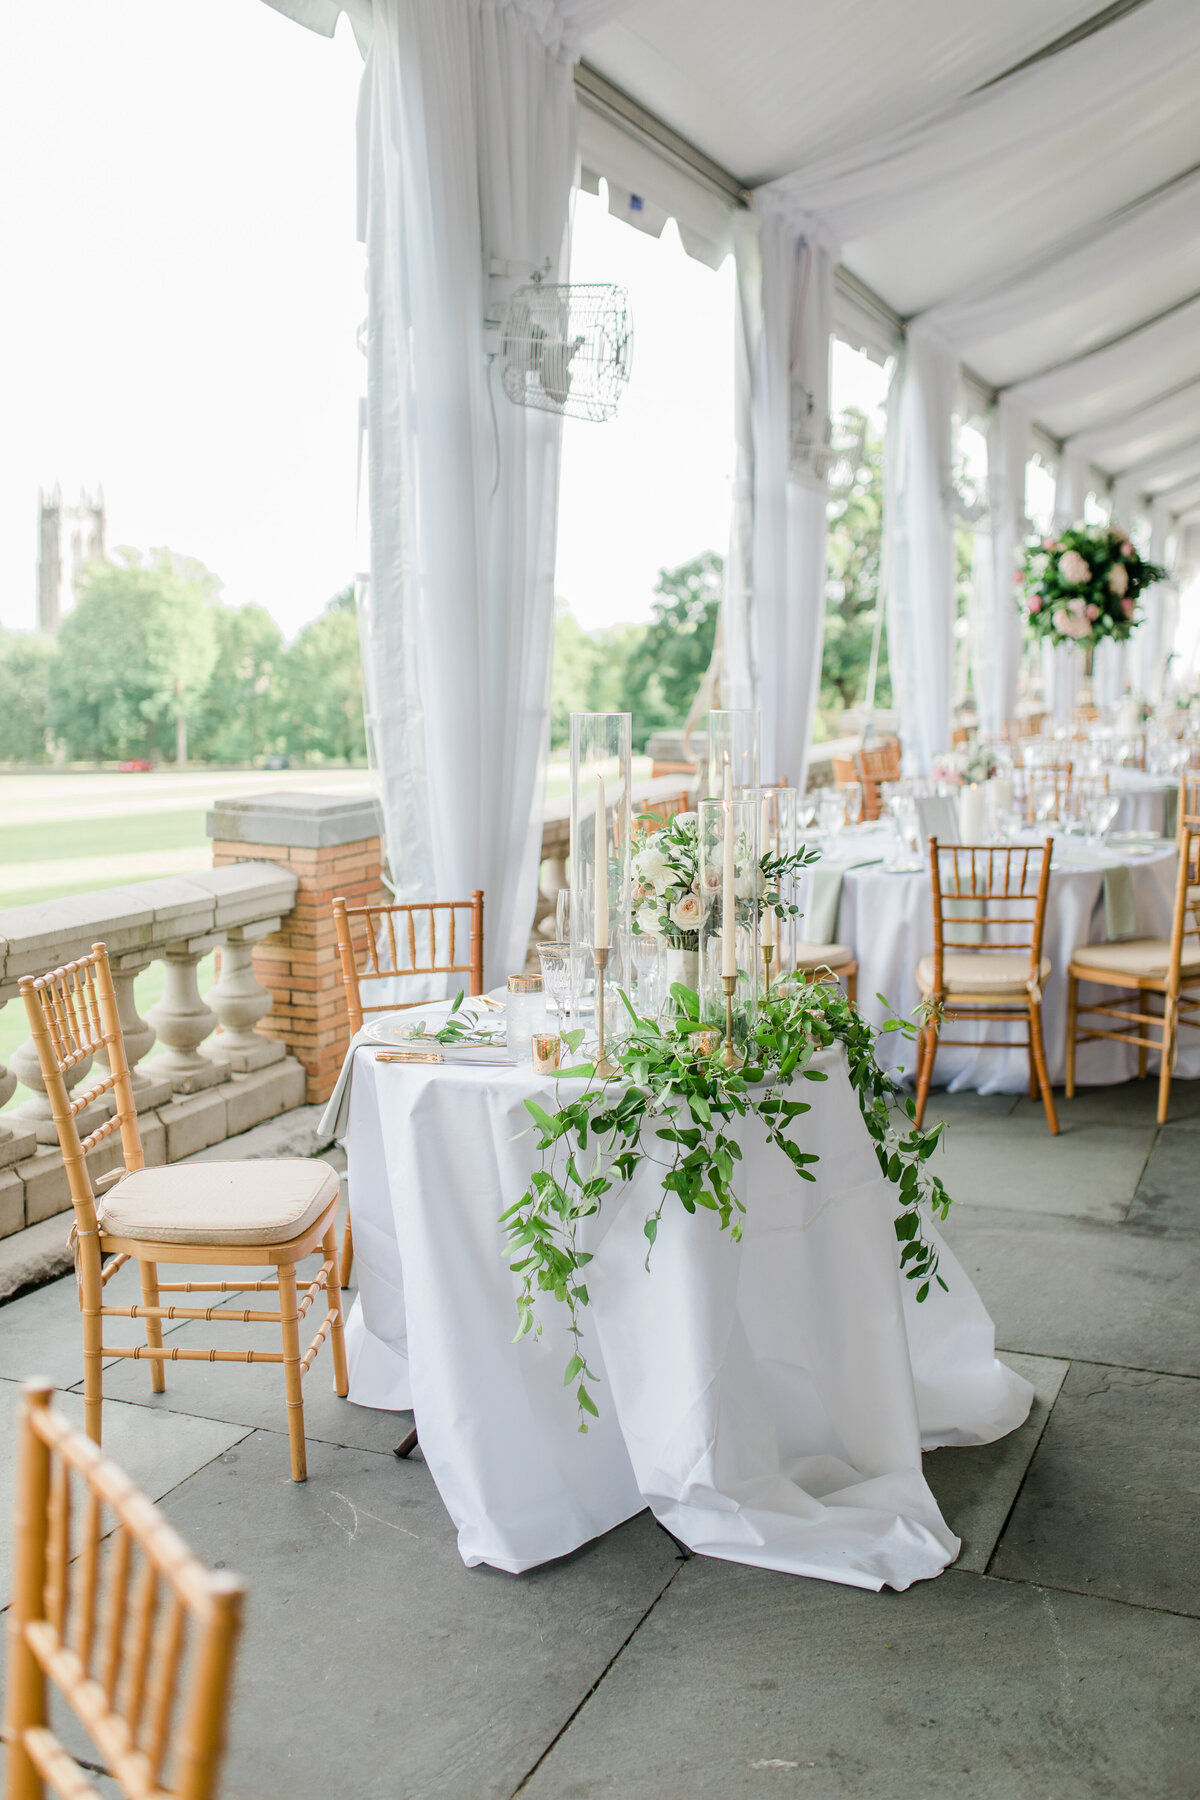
(1168,1195)
(1126,1103)
(158,1454)
(747,1683)
(1111,1504)
(374,1664)
(1070,1288)
(1087,1172)
(975,1485)
(253,1395)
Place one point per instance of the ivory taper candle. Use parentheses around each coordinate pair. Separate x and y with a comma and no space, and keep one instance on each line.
(600,917)
(768,917)
(728,884)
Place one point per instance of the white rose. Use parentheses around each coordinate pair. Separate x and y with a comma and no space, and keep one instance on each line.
(1073,569)
(652,869)
(687,913)
(1118,579)
(647,918)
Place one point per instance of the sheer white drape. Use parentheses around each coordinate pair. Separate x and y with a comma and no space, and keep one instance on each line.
(1008,441)
(736,686)
(919,563)
(1062,664)
(467,150)
(868,185)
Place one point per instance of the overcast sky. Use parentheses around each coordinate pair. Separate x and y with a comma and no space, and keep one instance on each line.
(181,293)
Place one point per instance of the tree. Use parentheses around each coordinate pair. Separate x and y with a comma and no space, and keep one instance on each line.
(852,589)
(319,687)
(25,669)
(237,718)
(668,662)
(134,656)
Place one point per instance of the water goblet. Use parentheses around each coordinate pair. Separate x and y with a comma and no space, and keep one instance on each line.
(852,798)
(556,980)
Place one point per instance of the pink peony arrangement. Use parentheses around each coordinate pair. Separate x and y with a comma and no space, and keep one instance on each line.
(1083,585)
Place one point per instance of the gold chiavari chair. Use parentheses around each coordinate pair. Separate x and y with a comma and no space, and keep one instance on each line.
(989,918)
(245,1214)
(112,1612)
(1084,791)
(383,943)
(878,764)
(828,962)
(661,813)
(1144,968)
(1033,781)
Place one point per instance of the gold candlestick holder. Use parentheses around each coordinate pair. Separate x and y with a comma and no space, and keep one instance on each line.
(605,1066)
(730,1058)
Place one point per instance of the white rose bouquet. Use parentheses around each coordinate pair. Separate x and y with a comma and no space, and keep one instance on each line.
(666,873)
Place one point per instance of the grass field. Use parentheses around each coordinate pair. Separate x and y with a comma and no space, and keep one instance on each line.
(69,833)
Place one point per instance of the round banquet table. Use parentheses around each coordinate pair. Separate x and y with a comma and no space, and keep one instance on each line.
(768,1400)
(886,917)
(1144,797)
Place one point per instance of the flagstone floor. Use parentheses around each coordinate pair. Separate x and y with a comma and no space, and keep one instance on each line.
(1057,1660)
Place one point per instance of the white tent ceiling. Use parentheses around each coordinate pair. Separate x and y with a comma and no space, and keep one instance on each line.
(1057,239)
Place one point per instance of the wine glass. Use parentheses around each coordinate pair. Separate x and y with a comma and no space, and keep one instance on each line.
(852,798)
(831,817)
(556,979)
(1101,813)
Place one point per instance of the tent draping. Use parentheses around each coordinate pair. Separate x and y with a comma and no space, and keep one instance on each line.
(1008,442)
(789,416)
(467,153)
(919,561)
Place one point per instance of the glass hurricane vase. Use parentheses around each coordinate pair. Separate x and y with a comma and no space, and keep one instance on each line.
(741,819)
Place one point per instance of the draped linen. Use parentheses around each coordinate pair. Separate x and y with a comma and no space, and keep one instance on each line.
(1062,664)
(467,135)
(996,681)
(919,563)
(866,185)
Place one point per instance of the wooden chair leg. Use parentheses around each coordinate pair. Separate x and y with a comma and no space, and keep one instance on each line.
(347,1255)
(158,1372)
(337,1334)
(852,984)
(291,1369)
(929,1037)
(91,1299)
(1039,1059)
(1072,1016)
(25,1703)
(1170,1030)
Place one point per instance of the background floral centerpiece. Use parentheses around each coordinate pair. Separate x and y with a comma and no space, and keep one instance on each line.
(1083,585)
(968,765)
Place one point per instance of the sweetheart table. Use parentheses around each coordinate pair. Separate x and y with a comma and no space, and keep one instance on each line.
(768,1401)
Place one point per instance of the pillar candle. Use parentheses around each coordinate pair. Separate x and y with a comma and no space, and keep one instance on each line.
(600,920)
(768,918)
(728,885)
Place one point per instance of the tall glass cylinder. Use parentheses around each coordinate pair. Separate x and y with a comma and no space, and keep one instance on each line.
(731,894)
(733,741)
(778,838)
(601,820)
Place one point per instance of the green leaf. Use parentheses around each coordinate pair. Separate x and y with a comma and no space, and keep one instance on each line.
(585,1400)
(573,1369)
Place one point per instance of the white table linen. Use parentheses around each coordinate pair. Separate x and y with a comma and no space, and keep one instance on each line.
(768,1401)
(1143,797)
(887,919)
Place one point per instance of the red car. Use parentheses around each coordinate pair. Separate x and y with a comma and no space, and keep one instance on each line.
(139,766)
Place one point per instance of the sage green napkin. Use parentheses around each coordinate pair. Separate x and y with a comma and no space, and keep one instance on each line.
(968,909)
(1120,906)
(1171,812)
(819,924)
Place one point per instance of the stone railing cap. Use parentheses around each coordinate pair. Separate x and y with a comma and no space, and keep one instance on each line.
(295,821)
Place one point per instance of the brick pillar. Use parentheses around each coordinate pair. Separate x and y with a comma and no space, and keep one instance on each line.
(332,846)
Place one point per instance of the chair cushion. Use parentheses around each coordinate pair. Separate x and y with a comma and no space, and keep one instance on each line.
(1147,958)
(823,956)
(267,1202)
(982,972)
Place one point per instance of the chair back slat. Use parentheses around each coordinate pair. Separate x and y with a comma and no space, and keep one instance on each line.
(112,1611)
(988,898)
(370,941)
(72,1015)
(878,764)
(655,817)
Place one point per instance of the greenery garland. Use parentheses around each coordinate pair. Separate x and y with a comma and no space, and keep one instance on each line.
(673,1080)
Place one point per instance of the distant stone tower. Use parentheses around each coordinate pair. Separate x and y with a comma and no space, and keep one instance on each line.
(69,537)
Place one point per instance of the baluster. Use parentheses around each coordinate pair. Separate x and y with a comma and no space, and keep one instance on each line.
(240,1001)
(16,1142)
(33,1118)
(149,1089)
(183,1021)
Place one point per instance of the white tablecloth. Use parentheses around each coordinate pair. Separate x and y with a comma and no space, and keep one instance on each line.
(1143,800)
(768,1401)
(887,919)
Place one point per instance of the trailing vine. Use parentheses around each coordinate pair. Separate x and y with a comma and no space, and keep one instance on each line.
(674,1104)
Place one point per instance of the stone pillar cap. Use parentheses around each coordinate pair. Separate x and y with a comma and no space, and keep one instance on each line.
(295,821)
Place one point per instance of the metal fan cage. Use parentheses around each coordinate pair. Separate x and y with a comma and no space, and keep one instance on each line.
(568,348)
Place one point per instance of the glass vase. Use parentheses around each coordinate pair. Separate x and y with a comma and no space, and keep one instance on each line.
(778,836)
(733,739)
(601,777)
(741,819)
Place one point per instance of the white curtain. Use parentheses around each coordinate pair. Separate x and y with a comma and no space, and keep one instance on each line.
(1150,644)
(1062,664)
(997,680)
(467,153)
(736,680)
(919,556)
(867,185)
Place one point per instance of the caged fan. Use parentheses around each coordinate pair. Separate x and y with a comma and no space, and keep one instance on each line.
(567,348)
